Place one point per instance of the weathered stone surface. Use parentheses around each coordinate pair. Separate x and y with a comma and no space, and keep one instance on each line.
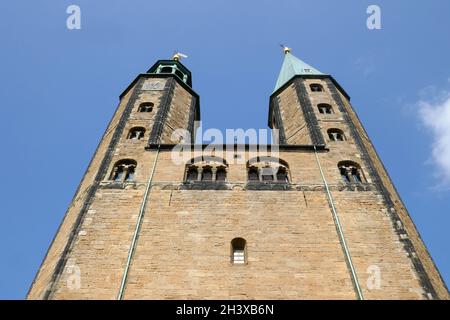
(183,246)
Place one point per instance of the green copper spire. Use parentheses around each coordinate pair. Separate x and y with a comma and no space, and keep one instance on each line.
(291,67)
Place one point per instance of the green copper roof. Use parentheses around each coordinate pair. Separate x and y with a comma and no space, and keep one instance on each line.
(291,67)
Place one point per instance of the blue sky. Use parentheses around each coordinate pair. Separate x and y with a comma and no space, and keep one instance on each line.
(59,89)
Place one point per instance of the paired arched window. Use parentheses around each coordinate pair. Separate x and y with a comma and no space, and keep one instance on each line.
(350,172)
(267,169)
(238,251)
(315,87)
(146,107)
(123,171)
(206,169)
(136,133)
(325,108)
(336,135)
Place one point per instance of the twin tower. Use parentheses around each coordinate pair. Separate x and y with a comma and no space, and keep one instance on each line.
(320,220)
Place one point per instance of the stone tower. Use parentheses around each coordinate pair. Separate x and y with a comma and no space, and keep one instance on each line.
(315,217)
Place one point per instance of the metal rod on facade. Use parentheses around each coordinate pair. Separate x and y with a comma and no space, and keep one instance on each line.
(136,230)
(340,232)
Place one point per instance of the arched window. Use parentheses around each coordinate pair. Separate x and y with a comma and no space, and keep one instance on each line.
(315,87)
(253,174)
(350,172)
(267,169)
(124,171)
(238,251)
(192,174)
(136,133)
(207,174)
(336,135)
(211,169)
(325,108)
(221,174)
(146,107)
(282,175)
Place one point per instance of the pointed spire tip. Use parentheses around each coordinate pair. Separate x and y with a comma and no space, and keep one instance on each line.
(178,55)
(286,49)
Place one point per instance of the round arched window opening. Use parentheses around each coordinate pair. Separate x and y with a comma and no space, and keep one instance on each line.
(325,108)
(123,171)
(336,135)
(146,107)
(238,251)
(351,172)
(136,133)
(315,87)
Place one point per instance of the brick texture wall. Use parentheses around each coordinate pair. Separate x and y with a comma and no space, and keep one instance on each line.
(183,246)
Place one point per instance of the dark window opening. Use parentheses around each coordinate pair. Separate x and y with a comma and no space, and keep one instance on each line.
(344,175)
(238,251)
(282,175)
(356,175)
(166,70)
(336,135)
(253,174)
(207,174)
(136,133)
(146,107)
(351,172)
(119,174)
(130,174)
(206,169)
(123,171)
(221,174)
(179,74)
(315,87)
(325,108)
(192,174)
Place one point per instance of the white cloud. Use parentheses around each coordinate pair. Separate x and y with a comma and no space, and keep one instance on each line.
(435,115)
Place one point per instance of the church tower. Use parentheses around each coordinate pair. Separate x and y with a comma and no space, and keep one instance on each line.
(314,217)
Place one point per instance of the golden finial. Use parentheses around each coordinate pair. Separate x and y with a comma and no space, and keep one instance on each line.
(286,49)
(178,55)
